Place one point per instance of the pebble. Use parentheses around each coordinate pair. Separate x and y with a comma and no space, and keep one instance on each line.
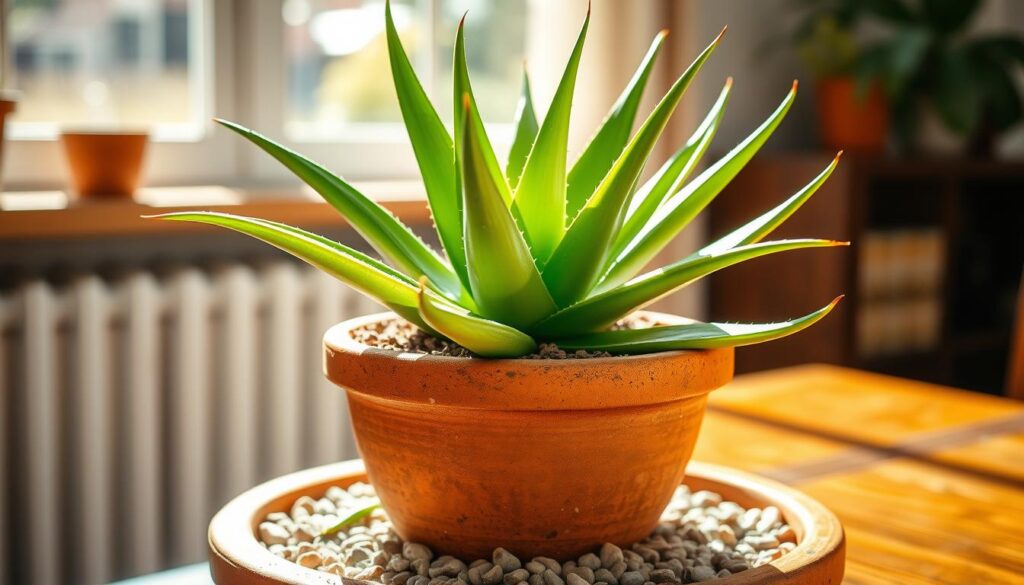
(700,538)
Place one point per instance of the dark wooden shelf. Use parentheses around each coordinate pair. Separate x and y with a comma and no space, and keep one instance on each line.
(977,207)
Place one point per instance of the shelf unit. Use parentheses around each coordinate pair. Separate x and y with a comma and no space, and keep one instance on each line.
(977,208)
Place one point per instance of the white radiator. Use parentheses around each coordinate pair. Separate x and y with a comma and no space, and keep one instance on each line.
(132,408)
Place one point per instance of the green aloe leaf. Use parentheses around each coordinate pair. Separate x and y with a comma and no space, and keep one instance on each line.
(600,311)
(540,193)
(480,336)
(503,278)
(679,209)
(611,137)
(351,519)
(525,134)
(692,335)
(435,152)
(463,88)
(389,236)
(355,269)
(764,224)
(576,263)
(671,176)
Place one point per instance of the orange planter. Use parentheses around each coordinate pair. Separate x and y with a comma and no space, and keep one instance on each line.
(543,457)
(849,123)
(105,164)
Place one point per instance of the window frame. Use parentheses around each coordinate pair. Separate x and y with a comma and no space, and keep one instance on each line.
(243,57)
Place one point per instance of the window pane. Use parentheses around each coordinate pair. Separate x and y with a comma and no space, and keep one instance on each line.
(339,75)
(106,63)
(495,38)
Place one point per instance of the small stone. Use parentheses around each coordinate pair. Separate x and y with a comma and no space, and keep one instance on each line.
(762,541)
(506,560)
(606,576)
(702,574)
(515,576)
(414,550)
(421,566)
(306,533)
(618,568)
(537,579)
(704,499)
(585,573)
(736,566)
(371,573)
(552,578)
(725,534)
(401,578)
(550,564)
(304,506)
(749,519)
(492,577)
(591,561)
(398,563)
(769,517)
(357,555)
(574,579)
(663,576)
(271,533)
(310,560)
(631,578)
(610,554)
(325,506)
(535,568)
(475,575)
(786,534)
(723,574)
(446,566)
(418,580)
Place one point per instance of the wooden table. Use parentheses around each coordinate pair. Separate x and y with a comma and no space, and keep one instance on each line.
(927,480)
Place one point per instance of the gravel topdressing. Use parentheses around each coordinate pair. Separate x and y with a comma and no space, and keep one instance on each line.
(399,335)
(700,538)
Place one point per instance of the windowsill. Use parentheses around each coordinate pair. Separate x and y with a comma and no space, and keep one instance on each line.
(35,215)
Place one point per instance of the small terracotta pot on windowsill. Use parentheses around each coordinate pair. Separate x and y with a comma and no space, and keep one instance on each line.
(8,102)
(105,165)
(847,121)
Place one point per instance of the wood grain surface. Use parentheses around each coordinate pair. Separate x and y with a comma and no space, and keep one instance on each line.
(928,481)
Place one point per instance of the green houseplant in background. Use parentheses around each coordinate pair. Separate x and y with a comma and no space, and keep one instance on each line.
(936,72)
(536,250)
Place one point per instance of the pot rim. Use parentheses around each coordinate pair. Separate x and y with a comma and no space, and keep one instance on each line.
(518,383)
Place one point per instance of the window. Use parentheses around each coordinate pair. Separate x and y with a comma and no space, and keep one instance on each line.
(108,64)
(313,74)
(338,77)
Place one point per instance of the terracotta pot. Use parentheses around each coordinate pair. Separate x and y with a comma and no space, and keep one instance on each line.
(846,122)
(544,457)
(237,558)
(105,164)
(7,106)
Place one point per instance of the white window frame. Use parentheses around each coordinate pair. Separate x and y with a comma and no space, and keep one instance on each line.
(35,159)
(244,68)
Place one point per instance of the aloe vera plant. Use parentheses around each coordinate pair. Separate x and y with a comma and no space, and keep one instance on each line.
(538,250)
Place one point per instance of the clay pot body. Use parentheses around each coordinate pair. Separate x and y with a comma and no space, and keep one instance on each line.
(847,122)
(544,457)
(105,164)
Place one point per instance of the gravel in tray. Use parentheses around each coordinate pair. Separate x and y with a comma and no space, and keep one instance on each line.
(700,538)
